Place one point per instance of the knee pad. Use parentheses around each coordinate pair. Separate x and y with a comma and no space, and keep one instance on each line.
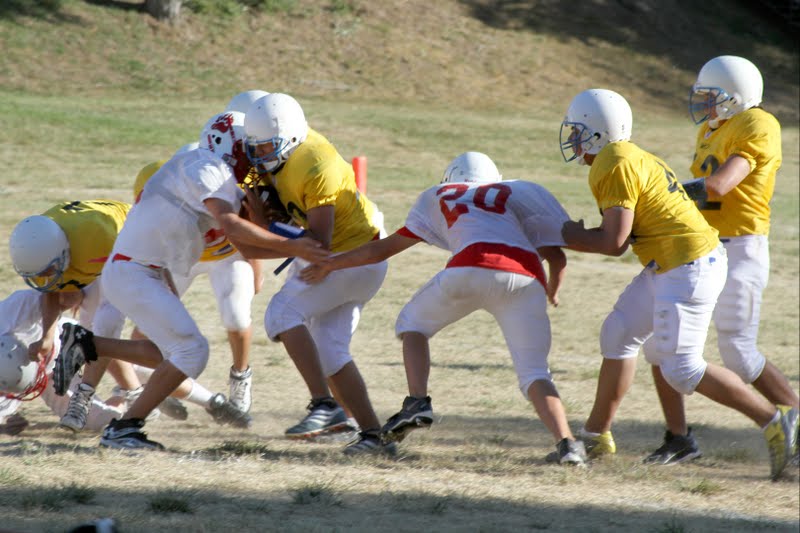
(683,373)
(740,355)
(235,314)
(190,356)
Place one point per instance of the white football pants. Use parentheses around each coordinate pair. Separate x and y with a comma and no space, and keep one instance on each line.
(330,309)
(517,302)
(672,312)
(232,281)
(141,293)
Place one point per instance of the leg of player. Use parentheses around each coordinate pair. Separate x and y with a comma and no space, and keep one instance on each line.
(616,377)
(679,444)
(163,382)
(775,387)
(779,424)
(416,411)
(350,385)
(547,403)
(240,378)
(324,414)
(417,362)
(80,401)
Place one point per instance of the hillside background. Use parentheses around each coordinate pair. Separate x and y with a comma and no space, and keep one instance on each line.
(459,54)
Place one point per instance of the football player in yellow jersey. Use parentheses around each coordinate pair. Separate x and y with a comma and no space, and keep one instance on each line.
(61,253)
(315,323)
(737,154)
(671,301)
(235,282)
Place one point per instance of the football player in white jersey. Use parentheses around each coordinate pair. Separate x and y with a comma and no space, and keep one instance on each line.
(192,201)
(737,155)
(671,301)
(22,379)
(496,232)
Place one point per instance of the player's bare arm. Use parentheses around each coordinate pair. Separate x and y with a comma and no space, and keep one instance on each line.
(728,175)
(257,243)
(557,264)
(371,252)
(51,310)
(320,224)
(610,238)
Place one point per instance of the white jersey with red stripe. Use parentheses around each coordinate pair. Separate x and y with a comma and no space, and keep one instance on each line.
(505,215)
(170,226)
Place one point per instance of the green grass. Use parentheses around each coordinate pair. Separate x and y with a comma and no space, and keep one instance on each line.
(80,125)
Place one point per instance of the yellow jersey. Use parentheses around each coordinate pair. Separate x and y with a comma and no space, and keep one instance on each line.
(316,175)
(91,228)
(213,252)
(668,230)
(756,136)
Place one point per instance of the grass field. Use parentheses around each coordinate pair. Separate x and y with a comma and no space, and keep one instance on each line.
(481,466)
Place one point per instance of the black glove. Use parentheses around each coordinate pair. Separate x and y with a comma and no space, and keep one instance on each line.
(696,189)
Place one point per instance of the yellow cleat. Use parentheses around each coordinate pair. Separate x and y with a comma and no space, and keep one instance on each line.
(597,445)
(781,438)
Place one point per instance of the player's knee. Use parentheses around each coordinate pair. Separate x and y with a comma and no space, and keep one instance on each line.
(525,382)
(741,356)
(683,374)
(235,317)
(614,338)
(191,356)
(333,362)
(280,317)
(406,323)
(108,322)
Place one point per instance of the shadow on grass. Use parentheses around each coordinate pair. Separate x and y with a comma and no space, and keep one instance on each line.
(49,10)
(686,32)
(322,507)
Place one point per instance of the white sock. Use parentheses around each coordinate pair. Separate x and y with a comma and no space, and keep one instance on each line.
(199,395)
(587,434)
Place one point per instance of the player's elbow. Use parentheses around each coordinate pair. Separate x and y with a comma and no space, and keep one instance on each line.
(615,248)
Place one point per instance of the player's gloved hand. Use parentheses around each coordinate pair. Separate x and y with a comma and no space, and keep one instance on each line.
(696,189)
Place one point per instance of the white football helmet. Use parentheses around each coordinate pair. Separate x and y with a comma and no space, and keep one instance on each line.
(40,252)
(242,101)
(595,118)
(20,378)
(472,167)
(729,84)
(275,126)
(223,134)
